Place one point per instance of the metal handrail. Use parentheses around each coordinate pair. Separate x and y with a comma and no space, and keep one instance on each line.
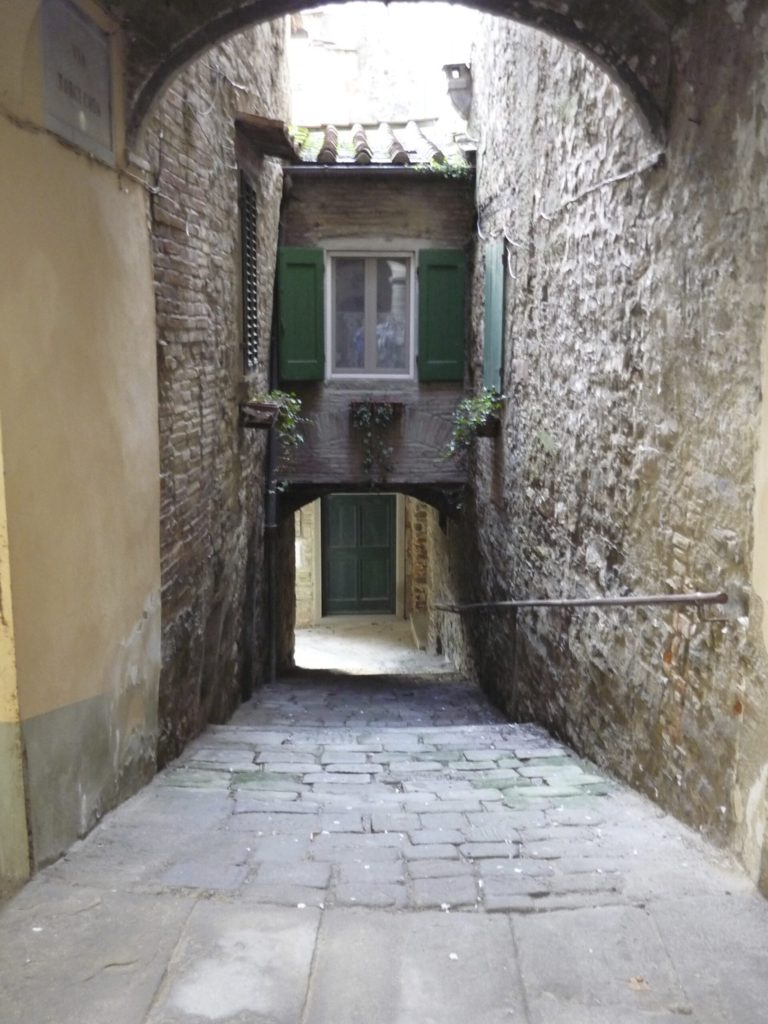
(694,598)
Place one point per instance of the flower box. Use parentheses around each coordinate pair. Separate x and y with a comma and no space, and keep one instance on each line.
(490,426)
(259,415)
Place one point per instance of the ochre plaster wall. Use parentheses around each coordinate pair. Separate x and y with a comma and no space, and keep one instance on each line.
(78,397)
(14,852)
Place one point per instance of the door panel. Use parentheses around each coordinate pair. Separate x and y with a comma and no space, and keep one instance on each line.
(376,521)
(358,554)
(342,577)
(342,522)
(375,582)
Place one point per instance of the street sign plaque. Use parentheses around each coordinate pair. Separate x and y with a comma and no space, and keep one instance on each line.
(77,78)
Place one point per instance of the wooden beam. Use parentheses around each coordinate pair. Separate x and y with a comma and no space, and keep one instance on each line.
(267,136)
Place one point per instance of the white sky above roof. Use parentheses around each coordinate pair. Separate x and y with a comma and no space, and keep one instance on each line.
(372,62)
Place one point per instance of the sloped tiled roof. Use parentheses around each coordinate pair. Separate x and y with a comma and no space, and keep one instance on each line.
(388,145)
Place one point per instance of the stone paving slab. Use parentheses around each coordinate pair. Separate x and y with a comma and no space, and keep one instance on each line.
(597,905)
(78,955)
(239,963)
(720,953)
(613,958)
(166,808)
(217,863)
(132,858)
(380,968)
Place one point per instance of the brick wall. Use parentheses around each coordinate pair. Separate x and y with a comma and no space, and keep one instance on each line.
(415,210)
(634,317)
(353,205)
(212,470)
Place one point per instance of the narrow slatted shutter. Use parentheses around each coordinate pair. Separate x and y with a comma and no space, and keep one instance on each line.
(493,334)
(250,274)
(300,298)
(442,274)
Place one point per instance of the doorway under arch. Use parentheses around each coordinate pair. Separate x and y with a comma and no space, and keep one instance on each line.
(365,563)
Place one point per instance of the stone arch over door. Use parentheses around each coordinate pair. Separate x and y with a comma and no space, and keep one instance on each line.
(631,41)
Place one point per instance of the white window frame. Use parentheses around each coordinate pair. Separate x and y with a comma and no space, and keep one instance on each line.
(368,251)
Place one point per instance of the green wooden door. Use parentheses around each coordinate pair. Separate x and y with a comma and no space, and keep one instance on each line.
(358,554)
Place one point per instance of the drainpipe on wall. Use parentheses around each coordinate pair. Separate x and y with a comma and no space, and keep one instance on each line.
(270,536)
(270,524)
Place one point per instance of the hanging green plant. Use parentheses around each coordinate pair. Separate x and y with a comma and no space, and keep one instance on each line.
(475,416)
(281,409)
(289,422)
(373,420)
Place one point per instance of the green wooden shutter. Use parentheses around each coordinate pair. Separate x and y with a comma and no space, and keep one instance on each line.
(493,335)
(441,314)
(300,298)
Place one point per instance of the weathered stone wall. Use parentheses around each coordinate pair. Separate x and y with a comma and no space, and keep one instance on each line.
(211,469)
(307,530)
(449,579)
(416,514)
(634,318)
(282,613)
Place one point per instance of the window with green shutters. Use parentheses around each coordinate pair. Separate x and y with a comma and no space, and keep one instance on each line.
(442,274)
(493,334)
(300,310)
(370,316)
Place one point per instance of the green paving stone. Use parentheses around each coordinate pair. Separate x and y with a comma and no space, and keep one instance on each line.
(344,757)
(281,757)
(195,778)
(267,780)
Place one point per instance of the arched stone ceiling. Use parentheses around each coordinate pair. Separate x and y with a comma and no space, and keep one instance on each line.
(630,39)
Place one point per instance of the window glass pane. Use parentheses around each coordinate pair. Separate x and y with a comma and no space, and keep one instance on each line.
(349,314)
(391,314)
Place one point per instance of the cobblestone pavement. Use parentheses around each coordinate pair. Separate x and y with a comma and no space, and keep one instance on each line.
(384,850)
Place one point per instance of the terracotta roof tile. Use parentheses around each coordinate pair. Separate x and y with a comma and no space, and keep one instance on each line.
(363,151)
(329,150)
(410,144)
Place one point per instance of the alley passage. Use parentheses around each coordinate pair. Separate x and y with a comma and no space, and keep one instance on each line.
(384,851)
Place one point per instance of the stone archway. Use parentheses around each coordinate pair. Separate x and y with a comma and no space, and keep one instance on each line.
(631,41)
(424,555)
